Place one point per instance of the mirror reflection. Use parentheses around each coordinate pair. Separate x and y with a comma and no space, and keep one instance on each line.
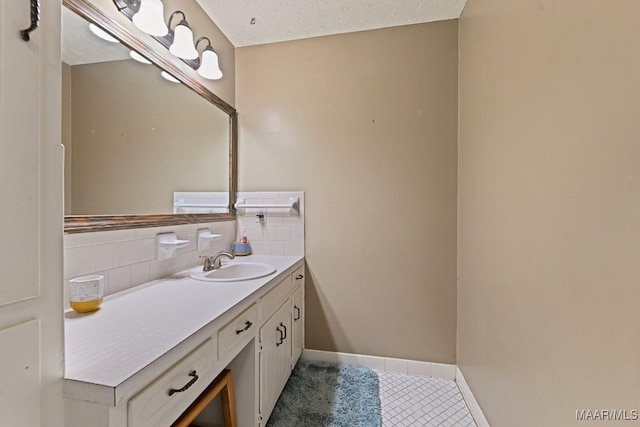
(134,140)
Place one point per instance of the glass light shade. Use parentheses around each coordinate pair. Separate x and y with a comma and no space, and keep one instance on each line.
(136,56)
(100,33)
(182,45)
(169,77)
(209,66)
(150,18)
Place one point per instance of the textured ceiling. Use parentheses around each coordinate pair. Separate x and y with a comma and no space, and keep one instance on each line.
(280,20)
(80,46)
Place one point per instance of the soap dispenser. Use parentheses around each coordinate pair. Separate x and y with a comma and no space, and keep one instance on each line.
(241,248)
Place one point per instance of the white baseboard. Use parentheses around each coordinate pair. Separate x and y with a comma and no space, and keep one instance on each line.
(385,364)
(472,404)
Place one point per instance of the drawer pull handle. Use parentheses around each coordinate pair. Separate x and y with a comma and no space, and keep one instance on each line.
(247,325)
(299,276)
(296,316)
(281,337)
(285,332)
(186,386)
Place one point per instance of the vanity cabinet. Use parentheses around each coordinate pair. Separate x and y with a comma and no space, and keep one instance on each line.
(258,334)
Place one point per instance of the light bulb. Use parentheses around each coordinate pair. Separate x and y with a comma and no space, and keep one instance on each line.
(150,18)
(182,45)
(209,65)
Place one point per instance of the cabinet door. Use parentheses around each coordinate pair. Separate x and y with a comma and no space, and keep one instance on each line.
(284,350)
(297,317)
(31,192)
(275,362)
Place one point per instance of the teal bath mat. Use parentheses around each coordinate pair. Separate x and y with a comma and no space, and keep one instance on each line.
(328,395)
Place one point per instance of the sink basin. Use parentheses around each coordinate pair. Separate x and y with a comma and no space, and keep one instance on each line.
(234,272)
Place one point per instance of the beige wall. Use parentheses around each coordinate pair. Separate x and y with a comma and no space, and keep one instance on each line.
(201,25)
(365,124)
(138,138)
(549,213)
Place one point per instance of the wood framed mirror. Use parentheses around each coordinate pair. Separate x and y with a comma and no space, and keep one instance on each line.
(119,178)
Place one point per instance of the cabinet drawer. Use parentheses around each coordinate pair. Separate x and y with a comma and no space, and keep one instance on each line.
(151,404)
(297,277)
(275,297)
(237,332)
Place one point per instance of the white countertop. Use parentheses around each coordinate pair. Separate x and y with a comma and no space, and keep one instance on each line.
(134,328)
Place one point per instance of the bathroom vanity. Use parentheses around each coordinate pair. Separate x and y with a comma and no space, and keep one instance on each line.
(147,354)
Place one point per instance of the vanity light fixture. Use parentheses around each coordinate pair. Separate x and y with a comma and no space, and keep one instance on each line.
(209,67)
(102,34)
(136,56)
(182,43)
(150,17)
(179,40)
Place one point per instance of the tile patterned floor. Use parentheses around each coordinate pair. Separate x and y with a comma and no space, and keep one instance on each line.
(411,401)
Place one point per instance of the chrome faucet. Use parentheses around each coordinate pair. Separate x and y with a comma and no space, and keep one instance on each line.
(216,262)
(213,262)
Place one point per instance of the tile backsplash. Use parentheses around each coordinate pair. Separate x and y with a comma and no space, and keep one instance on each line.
(281,233)
(127,258)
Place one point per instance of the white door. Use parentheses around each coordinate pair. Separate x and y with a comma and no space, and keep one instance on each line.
(31,329)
